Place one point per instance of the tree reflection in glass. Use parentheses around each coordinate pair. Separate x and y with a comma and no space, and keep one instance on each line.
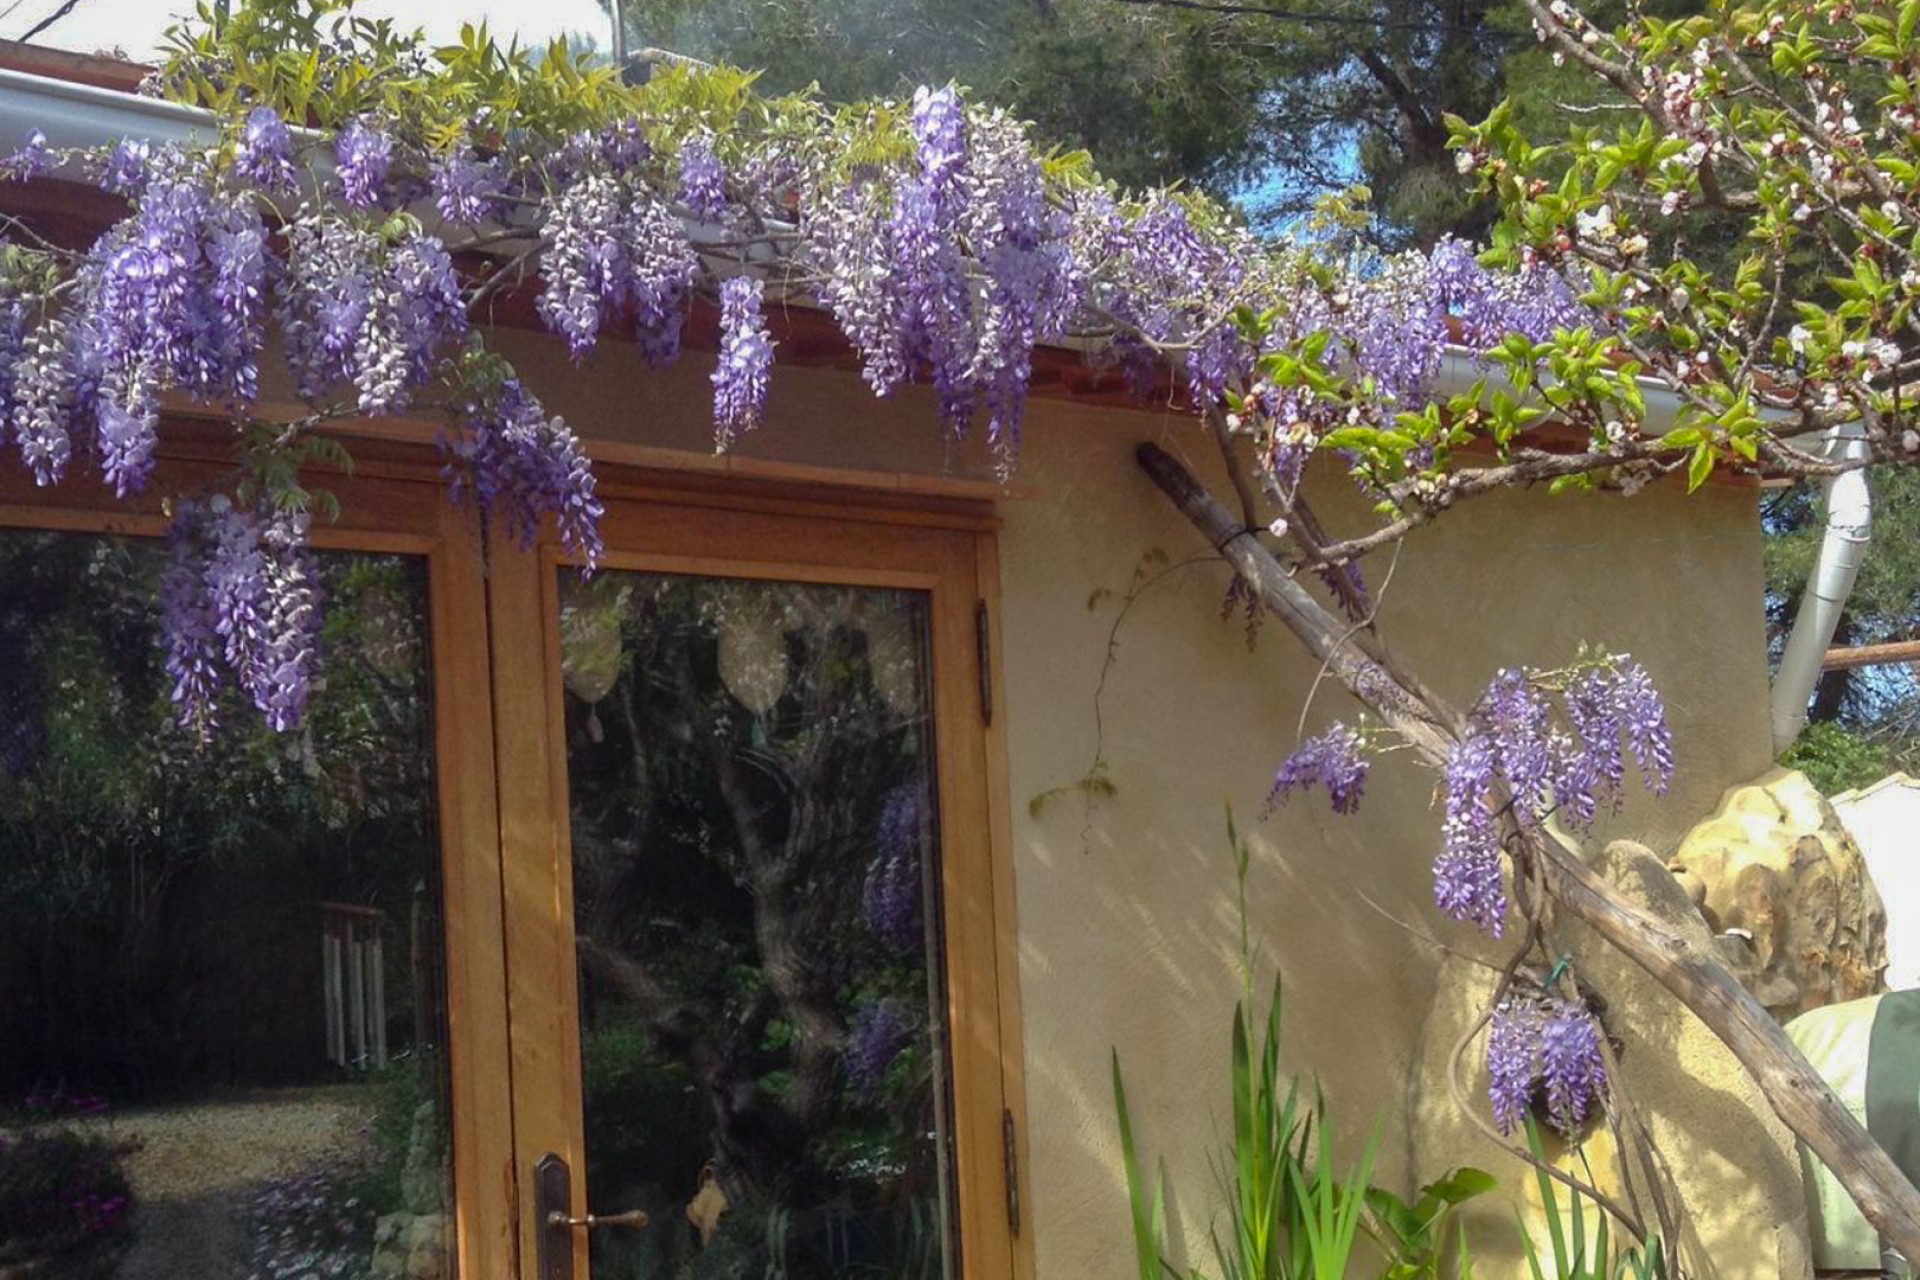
(757,912)
(223,1029)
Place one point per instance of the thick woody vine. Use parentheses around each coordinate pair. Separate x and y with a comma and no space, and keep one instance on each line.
(360,200)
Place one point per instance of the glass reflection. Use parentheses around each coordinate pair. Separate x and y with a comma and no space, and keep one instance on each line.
(222,1040)
(757,919)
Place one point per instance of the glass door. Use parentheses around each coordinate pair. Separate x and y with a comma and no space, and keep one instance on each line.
(252,986)
(762,1001)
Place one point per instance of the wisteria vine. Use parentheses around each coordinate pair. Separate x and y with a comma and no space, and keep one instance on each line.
(1538,746)
(945,244)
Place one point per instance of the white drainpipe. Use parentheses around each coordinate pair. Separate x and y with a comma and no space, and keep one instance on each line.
(1842,548)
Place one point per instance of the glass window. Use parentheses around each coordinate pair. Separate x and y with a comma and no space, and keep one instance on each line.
(223,1032)
(758,926)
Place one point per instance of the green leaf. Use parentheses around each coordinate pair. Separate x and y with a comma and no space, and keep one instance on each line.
(1700,466)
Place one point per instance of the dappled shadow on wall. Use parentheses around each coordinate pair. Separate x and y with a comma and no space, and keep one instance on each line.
(222,1047)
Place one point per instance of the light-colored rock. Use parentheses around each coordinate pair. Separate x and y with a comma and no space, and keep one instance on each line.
(1884,820)
(423,1179)
(411,1246)
(1731,1163)
(1774,863)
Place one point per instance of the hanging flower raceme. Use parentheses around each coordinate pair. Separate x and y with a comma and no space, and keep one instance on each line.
(363,154)
(519,464)
(890,899)
(241,602)
(614,249)
(172,297)
(1514,755)
(703,179)
(1336,760)
(1544,1051)
(466,190)
(746,358)
(264,153)
(363,308)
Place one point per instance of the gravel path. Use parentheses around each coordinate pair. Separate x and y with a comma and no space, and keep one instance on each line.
(197,1164)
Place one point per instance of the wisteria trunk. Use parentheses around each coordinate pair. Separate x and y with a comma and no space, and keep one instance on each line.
(1799,1096)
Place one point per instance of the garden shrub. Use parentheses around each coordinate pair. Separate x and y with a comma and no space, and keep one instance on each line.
(66,1205)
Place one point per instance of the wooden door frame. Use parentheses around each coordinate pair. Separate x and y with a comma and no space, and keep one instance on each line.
(399,510)
(677,524)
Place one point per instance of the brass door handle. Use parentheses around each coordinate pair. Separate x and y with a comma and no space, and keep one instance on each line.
(552,1194)
(594,1221)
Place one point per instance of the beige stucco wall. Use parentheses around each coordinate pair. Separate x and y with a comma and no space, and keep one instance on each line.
(1126,908)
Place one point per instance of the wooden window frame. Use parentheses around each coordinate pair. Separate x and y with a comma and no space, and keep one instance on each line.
(400,511)
(500,773)
(774,532)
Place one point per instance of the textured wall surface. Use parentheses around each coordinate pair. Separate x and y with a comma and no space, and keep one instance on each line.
(1127,911)
(1126,906)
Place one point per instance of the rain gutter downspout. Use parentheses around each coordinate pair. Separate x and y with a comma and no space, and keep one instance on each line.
(1842,548)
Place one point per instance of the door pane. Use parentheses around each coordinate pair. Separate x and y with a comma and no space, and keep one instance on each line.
(757,915)
(222,1004)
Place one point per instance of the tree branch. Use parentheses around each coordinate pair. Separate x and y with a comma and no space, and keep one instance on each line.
(1694,975)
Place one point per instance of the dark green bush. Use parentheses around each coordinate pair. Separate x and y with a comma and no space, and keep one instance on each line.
(66,1206)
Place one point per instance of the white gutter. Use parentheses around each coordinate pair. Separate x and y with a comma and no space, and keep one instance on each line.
(1842,548)
(83,115)
(1461,367)
(1849,508)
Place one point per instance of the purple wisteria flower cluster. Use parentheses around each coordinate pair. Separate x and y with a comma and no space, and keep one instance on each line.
(1518,759)
(1544,1051)
(615,250)
(703,179)
(745,362)
(240,601)
(1516,749)
(946,254)
(890,900)
(172,297)
(882,1029)
(956,271)
(516,462)
(359,308)
(1336,760)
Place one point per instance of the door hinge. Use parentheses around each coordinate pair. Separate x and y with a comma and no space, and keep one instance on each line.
(983,636)
(1010,1150)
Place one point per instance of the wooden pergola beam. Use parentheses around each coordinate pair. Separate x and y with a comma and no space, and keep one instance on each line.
(1871,655)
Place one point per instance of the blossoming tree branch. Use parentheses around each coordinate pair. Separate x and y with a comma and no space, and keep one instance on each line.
(367,196)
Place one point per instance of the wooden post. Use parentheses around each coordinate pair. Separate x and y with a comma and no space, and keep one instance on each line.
(1694,975)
